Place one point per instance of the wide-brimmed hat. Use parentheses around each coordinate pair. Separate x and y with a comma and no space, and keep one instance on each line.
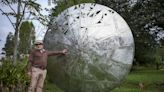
(38,42)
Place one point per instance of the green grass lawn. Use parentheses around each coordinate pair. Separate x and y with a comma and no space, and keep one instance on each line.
(49,87)
(153,81)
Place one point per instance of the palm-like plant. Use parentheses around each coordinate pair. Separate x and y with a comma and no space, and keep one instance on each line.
(13,77)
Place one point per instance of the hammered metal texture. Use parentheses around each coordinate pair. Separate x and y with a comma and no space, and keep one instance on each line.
(101,49)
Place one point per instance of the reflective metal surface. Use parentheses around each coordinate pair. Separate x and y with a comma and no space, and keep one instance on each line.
(101,49)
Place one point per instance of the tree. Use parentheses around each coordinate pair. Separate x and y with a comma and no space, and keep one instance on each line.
(149,22)
(158,58)
(9,43)
(27,37)
(24,7)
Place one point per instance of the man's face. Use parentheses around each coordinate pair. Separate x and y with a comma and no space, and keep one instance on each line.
(39,45)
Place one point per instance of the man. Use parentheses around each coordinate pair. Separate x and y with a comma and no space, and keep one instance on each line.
(37,65)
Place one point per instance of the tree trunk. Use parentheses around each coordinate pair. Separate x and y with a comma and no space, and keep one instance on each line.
(16,35)
(15,46)
(1,87)
(157,66)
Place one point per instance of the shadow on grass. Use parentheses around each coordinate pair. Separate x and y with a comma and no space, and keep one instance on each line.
(152,80)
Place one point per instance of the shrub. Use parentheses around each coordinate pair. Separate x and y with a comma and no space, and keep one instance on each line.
(13,77)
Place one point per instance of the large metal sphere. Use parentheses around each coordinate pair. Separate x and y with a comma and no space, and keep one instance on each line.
(100,44)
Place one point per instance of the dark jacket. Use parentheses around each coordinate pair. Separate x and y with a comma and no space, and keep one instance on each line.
(38,58)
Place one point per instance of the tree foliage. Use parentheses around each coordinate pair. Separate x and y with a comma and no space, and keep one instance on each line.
(8,46)
(27,37)
(13,78)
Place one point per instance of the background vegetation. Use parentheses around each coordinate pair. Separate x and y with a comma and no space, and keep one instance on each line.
(13,77)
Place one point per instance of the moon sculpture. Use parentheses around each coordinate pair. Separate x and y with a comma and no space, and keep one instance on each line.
(100,44)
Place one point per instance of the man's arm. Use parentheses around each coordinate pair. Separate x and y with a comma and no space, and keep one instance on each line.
(53,53)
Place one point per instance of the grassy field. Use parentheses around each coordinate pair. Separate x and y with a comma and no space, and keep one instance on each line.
(152,80)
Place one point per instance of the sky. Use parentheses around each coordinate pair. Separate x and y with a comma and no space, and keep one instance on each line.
(6,27)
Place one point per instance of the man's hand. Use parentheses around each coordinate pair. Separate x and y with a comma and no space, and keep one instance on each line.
(29,73)
(64,51)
